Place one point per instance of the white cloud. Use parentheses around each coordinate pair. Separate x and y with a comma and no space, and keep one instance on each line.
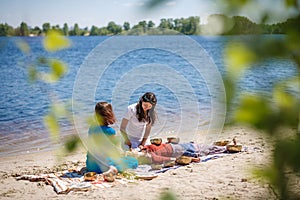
(171,3)
(133,4)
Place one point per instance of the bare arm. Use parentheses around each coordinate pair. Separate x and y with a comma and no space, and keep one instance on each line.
(146,135)
(123,131)
(159,159)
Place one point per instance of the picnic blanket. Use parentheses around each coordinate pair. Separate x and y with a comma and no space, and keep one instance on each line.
(67,181)
(145,171)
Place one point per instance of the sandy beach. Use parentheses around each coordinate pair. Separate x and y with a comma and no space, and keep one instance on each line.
(228,177)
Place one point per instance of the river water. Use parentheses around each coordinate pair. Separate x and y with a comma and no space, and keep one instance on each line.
(184,73)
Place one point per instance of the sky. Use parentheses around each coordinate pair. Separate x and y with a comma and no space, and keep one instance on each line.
(101,12)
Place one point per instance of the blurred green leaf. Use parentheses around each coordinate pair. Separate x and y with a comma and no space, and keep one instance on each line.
(42,60)
(291,3)
(58,69)
(167,195)
(154,3)
(52,125)
(238,57)
(23,46)
(293,43)
(287,152)
(55,41)
(229,89)
(287,101)
(270,173)
(269,48)
(283,99)
(72,144)
(59,109)
(233,5)
(32,73)
(256,111)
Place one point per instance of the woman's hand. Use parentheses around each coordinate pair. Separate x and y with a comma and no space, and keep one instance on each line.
(128,143)
(124,134)
(141,146)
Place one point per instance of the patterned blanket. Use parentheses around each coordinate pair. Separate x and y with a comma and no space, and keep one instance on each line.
(73,180)
(64,182)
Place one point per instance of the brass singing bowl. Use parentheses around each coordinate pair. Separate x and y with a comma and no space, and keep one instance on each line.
(90,176)
(222,143)
(234,148)
(184,160)
(156,141)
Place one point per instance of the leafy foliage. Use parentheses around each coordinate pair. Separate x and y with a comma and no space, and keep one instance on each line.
(54,41)
(270,115)
(167,195)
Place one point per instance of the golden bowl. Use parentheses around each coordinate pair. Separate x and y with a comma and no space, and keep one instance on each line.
(222,143)
(109,177)
(234,148)
(156,141)
(90,176)
(184,160)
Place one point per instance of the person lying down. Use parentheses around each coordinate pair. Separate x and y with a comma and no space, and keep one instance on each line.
(159,153)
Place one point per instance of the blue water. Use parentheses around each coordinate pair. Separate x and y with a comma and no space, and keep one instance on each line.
(23,104)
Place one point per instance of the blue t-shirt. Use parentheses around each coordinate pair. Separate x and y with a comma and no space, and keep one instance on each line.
(102,129)
(99,164)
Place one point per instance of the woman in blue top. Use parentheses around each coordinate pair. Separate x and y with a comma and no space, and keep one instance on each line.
(103,152)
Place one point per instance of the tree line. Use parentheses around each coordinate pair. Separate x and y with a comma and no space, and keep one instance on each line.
(217,24)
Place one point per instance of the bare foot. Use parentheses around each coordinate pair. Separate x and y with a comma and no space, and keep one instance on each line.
(196,159)
(110,173)
(112,170)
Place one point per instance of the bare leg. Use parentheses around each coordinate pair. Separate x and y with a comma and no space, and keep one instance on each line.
(196,159)
(109,174)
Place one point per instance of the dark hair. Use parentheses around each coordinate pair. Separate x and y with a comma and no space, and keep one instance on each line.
(150,116)
(104,113)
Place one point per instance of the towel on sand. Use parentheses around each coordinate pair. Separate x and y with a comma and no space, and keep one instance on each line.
(64,182)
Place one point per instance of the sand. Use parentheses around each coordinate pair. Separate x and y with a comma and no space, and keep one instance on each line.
(229,177)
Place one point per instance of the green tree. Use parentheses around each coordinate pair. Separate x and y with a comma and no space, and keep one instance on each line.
(242,25)
(178,24)
(66,29)
(85,31)
(76,30)
(94,31)
(36,31)
(46,26)
(24,31)
(6,30)
(191,26)
(166,23)
(113,28)
(126,26)
(103,31)
(151,24)
(140,28)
